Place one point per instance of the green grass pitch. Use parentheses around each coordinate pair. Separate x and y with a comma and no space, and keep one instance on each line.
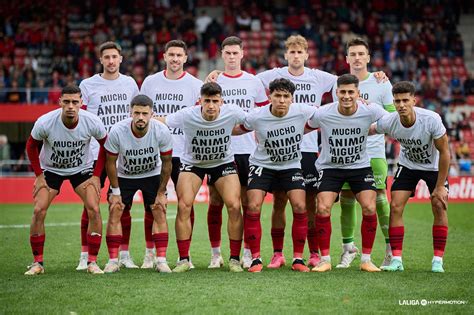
(201,291)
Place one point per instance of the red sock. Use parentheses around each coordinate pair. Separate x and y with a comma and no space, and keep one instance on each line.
(214,224)
(396,234)
(299,231)
(148,224)
(126,221)
(161,243)
(191,216)
(235,246)
(323,233)
(244,211)
(312,241)
(253,232)
(278,235)
(368,229)
(84,227)
(440,235)
(37,246)
(183,247)
(94,245)
(113,244)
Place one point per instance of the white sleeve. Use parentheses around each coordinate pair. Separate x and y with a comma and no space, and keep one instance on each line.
(387,96)
(38,132)
(314,121)
(166,143)
(266,77)
(326,80)
(437,128)
(261,99)
(145,89)
(308,111)
(377,112)
(84,93)
(381,125)
(239,114)
(112,144)
(249,120)
(176,120)
(334,95)
(135,90)
(99,129)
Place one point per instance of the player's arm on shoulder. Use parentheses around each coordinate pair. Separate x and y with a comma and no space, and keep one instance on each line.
(246,125)
(440,193)
(381,77)
(212,76)
(161,119)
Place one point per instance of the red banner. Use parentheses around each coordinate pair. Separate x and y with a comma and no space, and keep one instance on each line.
(19,189)
(24,113)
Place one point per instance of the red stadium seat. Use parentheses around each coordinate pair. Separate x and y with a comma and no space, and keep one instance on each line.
(445,61)
(433,62)
(470,101)
(458,61)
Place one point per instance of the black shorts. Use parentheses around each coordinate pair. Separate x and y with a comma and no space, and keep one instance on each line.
(270,180)
(407,179)
(176,164)
(213,173)
(308,167)
(55,181)
(242,164)
(148,185)
(332,179)
(103,175)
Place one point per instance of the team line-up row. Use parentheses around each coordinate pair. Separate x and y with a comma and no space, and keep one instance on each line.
(141,153)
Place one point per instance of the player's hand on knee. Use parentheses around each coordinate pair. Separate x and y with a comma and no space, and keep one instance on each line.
(94,181)
(161,202)
(40,183)
(440,194)
(115,201)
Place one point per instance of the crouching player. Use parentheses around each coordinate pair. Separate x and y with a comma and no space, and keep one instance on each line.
(207,130)
(424,156)
(66,135)
(275,165)
(143,148)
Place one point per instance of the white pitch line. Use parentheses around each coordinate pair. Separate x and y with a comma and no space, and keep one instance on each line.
(27,226)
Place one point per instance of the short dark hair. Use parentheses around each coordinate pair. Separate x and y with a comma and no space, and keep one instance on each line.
(403,87)
(177,43)
(232,40)
(347,79)
(358,41)
(282,85)
(211,89)
(109,45)
(141,100)
(71,89)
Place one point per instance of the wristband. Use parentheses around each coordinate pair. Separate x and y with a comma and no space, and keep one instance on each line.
(115,191)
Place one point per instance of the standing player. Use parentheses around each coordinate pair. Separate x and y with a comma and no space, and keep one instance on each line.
(310,85)
(108,96)
(344,129)
(246,91)
(66,135)
(170,90)
(275,165)
(142,147)
(207,129)
(381,94)
(424,156)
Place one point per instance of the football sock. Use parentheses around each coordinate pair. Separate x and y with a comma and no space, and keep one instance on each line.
(299,232)
(113,244)
(383,214)
(440,235)
(183,248)
(161,243)
(324,229)
(235,246)
(368,229)
(84,227)
(278,235)
(37,246)
(348,219)
(396,239)
(214,224)
(126,221)
(148,225)
(312,241)
(93,240)
(253,232)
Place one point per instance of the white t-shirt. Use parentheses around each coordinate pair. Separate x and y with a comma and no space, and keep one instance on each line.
(108,99)
(139,157)
(278,138)
(67,151)
(380,94)
(169,96)
(344,138)
(418,151)
(310,88)
(247,92)
(207,143)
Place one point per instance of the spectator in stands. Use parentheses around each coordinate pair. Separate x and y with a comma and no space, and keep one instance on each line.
(469,85)
(202,22)
(40,93)
(15,95)
(243,21)
(465,165)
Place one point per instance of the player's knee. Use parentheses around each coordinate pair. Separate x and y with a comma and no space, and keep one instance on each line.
(438,206)
(396,208)
(369,209)
(159,214)
(254,206)
(299,207)
(184,206)
(39,212)
(323,209)
(115,214)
